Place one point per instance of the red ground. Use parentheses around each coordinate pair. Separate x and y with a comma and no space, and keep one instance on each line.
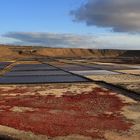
(87,114)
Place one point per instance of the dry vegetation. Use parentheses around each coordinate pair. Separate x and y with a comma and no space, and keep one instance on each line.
(62,108)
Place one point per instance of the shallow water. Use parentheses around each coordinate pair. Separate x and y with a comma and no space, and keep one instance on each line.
(36,73)
(41,79)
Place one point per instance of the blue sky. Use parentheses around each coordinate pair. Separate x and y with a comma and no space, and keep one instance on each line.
(40,16)
(51,20)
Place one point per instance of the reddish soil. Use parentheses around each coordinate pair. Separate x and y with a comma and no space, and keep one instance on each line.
(88,114)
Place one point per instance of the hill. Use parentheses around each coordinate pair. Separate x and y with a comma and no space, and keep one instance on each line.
(15,52)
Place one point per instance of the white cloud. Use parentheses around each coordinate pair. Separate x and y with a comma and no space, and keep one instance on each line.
(119,15)
(101,41)
(52,39)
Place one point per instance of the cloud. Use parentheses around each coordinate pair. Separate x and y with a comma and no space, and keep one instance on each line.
(100,41)
(52,39)
(119,15)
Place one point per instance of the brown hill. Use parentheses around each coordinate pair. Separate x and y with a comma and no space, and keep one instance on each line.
(68,52)
(7,53)
(14,52)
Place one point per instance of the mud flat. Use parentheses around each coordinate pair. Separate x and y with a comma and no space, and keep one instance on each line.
(135,72)
(119,78)
(130,82)
(133,86)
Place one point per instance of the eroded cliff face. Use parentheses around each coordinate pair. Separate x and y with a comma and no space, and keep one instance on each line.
(21,51)
(73,52)
(78,52)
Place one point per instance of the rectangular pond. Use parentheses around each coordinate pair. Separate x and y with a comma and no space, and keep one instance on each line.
(36,73)
(94,72)
(41,79)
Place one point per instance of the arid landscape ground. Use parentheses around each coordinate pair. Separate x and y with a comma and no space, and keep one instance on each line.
(69,94)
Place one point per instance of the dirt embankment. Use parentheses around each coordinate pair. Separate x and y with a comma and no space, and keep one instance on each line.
(21,51)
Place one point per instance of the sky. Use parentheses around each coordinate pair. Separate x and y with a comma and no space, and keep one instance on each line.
(99,24)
